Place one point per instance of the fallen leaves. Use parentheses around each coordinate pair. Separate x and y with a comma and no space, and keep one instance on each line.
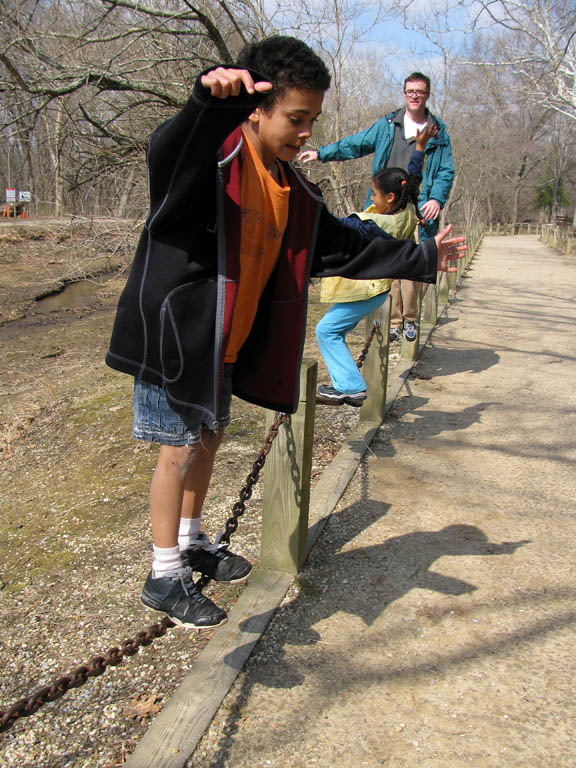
(142,707)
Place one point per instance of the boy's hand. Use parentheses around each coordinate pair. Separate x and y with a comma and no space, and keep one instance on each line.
(449,249)
(227,82)
(429,131)
(307,156)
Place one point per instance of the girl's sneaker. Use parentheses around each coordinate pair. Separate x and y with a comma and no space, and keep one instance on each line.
(216,561)
(409,331)
(395,334)
(177,596)
(330,396)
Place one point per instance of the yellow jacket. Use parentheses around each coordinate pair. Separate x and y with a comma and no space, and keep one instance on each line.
(334,290)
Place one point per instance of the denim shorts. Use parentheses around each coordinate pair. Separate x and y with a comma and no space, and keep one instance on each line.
(156,422)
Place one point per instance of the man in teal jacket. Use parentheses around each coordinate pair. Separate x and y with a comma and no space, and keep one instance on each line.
(391,140)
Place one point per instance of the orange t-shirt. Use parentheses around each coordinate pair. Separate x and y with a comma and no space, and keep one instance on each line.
(263,221)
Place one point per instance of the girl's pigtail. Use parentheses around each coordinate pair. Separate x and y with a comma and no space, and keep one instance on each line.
(402,193)
(414,195)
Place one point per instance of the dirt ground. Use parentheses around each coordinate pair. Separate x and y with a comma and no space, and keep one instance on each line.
(74,540)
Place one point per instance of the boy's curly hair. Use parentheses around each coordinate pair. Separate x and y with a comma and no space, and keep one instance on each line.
(288,63)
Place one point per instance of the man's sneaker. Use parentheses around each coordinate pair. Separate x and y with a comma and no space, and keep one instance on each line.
(330,396)
(409,331)
(216,561)
(395,334)
(177,596)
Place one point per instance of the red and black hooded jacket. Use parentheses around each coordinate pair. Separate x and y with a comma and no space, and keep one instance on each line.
(174,315)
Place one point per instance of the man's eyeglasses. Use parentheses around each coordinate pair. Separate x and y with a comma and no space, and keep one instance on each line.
(416,93)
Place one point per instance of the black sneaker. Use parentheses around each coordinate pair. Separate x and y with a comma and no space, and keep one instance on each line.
(330,396)
(216,561)
(395,334)
(176,595)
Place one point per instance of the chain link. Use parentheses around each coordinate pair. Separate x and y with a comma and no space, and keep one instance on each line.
(95,667)
(114,656)
(364,353)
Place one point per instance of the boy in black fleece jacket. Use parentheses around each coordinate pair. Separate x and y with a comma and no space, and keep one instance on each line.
(216,299)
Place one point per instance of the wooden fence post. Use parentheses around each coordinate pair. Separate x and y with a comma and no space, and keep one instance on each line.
(452,278)
(461,263)
(443,291)
(286,487)
(429,311)
(375,368)
(471,243)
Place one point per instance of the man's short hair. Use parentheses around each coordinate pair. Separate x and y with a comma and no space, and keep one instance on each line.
(287,63)
(417,76)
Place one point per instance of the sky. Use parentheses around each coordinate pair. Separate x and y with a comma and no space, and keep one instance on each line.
(411,49)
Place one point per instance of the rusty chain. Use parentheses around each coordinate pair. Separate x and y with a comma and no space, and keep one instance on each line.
(95,667)
(114,656)
(364,353)
(129,647)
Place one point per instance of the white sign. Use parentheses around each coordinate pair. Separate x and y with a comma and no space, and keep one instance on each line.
(10,195)
(24,197)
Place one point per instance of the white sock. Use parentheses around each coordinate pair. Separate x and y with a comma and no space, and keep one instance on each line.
(190,527)
(166,560)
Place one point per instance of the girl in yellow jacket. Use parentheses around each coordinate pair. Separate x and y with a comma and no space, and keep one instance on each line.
(394,211)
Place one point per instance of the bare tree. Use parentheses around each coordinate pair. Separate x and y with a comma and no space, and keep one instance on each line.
(84,82)
(94,77)
(540,49)
(362,91)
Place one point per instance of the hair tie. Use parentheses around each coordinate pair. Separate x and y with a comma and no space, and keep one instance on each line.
(403,183)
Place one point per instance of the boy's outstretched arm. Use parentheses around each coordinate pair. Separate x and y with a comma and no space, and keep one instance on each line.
(449,249)
(224,82)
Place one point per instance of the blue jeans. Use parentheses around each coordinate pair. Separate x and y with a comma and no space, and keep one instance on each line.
(331,336)
(156,422)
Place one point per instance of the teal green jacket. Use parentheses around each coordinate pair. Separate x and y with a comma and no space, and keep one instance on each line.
(438,173)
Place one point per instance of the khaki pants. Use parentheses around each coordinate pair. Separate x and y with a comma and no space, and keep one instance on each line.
(404,296)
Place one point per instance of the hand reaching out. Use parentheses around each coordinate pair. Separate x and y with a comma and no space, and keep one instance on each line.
(449,250)
(224,82)
(428,132)
(307,156)
(430,209)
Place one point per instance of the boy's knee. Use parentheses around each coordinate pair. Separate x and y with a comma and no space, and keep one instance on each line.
(179,457)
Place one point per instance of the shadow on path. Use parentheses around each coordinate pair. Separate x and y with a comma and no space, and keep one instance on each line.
(360,581)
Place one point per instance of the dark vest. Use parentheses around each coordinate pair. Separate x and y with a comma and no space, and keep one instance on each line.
(401,149)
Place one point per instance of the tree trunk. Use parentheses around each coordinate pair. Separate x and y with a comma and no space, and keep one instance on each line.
(124,197)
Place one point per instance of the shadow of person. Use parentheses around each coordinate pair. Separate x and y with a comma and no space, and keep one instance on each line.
(426,423)
(447,362)
(390,570)
(364,581)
